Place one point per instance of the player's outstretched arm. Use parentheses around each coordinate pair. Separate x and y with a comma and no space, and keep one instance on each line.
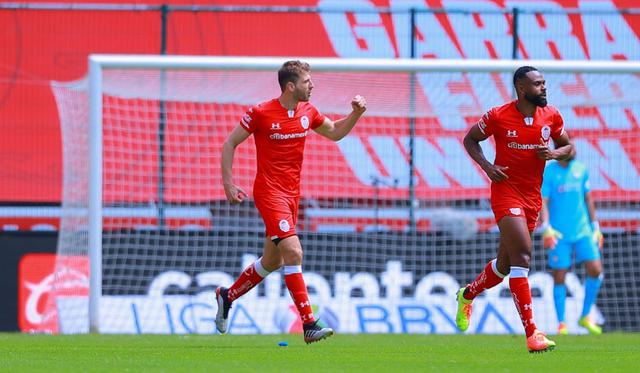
(234,193)
(472,145)
(341,127)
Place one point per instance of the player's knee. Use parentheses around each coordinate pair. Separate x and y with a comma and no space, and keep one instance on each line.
(522,259)
(594,270)
(273,264)
(595,273)
(559,276)
(295,256)
(292,254)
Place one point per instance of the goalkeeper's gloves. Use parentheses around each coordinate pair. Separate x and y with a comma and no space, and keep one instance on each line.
(550,236)
(598,238)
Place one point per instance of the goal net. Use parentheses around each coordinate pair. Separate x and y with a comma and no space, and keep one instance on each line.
(393,219)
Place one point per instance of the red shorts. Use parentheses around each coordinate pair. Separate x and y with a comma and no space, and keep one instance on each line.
(517,210)
(279,214)
(515,200)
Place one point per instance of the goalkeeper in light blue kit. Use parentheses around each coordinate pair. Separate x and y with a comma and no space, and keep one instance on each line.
(569,224)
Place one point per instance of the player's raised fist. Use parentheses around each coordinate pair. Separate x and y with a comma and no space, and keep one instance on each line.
(359,104)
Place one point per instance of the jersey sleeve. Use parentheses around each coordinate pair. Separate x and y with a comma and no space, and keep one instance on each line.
(318,118)
(557,129)
(545,190)
(487,124)
(249,120)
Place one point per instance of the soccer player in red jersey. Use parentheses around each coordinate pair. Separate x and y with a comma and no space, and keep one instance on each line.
(280,127)
(522,130)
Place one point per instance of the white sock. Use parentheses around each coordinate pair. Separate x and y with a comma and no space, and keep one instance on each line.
(289,270)
(260,269)
(517,272)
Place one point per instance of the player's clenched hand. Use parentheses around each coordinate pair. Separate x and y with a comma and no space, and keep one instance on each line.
(496,173)
(359,104)
(550,237)
(544,152)
(234,193)
(598,238)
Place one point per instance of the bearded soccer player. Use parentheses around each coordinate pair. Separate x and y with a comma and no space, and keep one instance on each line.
(522,130)
(279,127)
(569,226)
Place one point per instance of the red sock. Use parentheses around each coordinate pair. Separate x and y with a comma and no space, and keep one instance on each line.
(247,280)
(487,279)
(521,293)
(298,290)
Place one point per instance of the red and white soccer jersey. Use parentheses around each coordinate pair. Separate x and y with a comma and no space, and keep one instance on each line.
(280,136)
(517,137)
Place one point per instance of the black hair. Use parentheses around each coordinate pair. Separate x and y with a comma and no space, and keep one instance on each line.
(521,73)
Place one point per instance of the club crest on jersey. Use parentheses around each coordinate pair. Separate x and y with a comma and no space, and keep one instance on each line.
(511,133)
(304,121)
(284,225)
(546,132)
(515,211)
(275,126)
(528,121)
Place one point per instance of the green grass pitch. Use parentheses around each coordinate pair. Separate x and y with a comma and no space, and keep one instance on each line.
(614,352)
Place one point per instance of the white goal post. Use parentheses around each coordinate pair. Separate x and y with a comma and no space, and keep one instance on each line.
(408,106)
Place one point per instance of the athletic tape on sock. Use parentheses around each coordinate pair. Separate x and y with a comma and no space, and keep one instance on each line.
(289,270)
(519,272)
(260,269)
(494,266)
